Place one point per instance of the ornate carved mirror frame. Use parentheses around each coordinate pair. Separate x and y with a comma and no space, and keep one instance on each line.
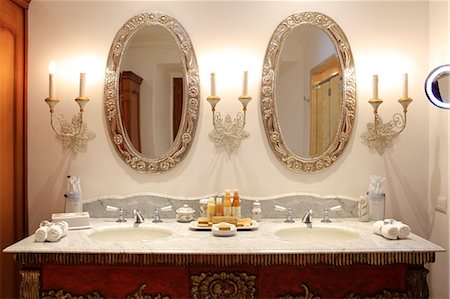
(191,103)
(268,98)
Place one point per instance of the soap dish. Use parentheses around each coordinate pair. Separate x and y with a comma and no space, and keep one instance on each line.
(223,229)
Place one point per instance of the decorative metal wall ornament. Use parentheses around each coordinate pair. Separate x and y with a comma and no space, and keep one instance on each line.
(268,88)
(185,136)
(379,135)
(74,135)
(223,285)
(228,133)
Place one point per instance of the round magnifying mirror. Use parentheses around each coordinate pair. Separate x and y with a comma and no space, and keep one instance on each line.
(437,86)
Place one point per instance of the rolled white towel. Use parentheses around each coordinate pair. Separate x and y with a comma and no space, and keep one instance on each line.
(55,232)
(403,229)
(64,226)
(376,227)
(40,234)
(389,231)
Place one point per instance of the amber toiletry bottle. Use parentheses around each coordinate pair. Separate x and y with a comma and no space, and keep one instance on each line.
(219,207)
(227,203)
(211,208)
(236,206)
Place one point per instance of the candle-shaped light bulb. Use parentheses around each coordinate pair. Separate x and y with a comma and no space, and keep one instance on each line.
(245,84)
(82,84)
(52,71)
(405,85)
(213,84)
(375,87)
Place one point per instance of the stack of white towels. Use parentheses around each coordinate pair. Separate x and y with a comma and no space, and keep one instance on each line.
(391,229)
(51,231)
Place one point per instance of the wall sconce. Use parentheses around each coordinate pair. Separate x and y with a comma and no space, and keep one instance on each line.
(74,135)
(229,133)
(379,135)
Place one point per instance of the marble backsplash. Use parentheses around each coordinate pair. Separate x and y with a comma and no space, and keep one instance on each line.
(147,203)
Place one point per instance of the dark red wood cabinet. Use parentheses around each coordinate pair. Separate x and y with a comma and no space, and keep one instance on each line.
(359,275)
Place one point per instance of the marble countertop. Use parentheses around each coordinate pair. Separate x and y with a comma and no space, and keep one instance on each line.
(260,241)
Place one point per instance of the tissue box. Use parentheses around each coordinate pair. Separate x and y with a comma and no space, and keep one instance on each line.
(75,220)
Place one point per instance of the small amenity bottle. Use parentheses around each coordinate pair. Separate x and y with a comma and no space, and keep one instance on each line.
(256,211)
(219,207)
(227,203)
(211,208)
(236,206)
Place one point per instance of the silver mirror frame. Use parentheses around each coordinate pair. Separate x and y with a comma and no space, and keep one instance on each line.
(268,98)
(191,105)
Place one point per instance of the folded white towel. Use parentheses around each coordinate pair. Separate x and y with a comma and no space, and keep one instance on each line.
(403,229)
(41,234)
(376,227)
(55,232)
(389,231)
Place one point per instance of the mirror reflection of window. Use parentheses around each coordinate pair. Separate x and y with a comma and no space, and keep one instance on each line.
(308,71)
(153,54)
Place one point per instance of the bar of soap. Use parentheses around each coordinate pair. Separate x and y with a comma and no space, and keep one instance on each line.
(224,227)
(75,220)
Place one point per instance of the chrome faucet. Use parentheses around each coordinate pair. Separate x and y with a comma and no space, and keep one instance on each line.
(307,218)
(138,218)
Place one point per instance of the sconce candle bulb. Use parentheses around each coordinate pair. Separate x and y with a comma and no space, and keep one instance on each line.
(405,86)
(213,84)
(82,84)
(245,84)
(375,87)
(379,135)
(52,71)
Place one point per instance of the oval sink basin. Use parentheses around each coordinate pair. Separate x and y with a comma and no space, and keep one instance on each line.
(129,234)
(317,234)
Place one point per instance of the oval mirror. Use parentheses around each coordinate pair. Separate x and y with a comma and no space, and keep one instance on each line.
(152,92)
(437,86)
(308,92)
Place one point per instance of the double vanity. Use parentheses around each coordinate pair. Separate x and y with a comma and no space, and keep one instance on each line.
(342,259)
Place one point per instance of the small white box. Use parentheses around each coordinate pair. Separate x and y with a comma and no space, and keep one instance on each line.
(76,220)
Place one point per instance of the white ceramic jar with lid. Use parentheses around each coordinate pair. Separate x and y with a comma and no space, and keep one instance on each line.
(185,213)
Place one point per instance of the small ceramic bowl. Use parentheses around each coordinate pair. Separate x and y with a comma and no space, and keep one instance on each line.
(185,214)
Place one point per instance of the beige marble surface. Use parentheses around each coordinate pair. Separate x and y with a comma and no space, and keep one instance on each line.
(261,240)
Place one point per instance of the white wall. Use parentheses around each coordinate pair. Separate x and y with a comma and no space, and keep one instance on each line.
(229,37)
(439,53)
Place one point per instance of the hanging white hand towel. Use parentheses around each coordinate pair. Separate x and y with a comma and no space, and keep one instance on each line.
(41,234)
(403,229)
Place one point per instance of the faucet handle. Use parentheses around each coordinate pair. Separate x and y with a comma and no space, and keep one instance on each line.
(157,218)
(288,214)
(166,209)
(120,218)
(326,211)
(280,208)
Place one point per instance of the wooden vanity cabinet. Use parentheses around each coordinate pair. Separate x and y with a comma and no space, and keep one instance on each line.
(356,275)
